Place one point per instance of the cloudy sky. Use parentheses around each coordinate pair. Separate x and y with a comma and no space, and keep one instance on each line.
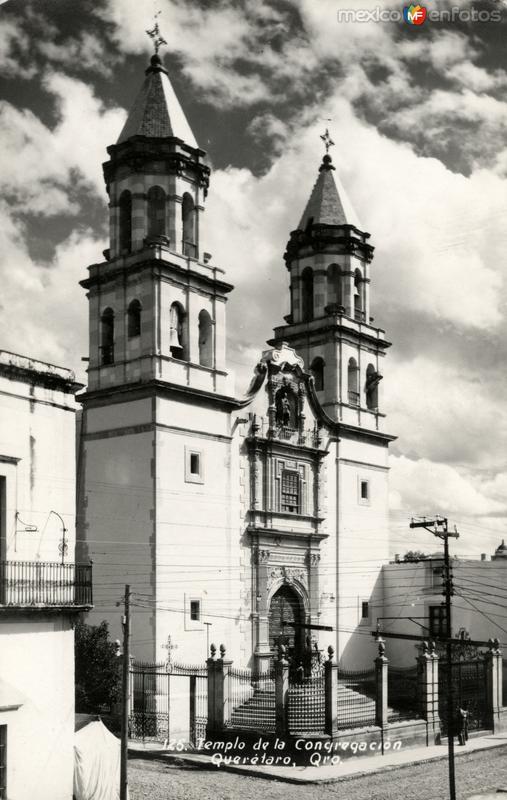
(419,118)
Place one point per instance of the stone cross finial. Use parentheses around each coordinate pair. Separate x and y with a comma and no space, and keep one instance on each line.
(155,35)
(328,142)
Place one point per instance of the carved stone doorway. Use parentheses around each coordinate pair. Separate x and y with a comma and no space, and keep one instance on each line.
(285,619)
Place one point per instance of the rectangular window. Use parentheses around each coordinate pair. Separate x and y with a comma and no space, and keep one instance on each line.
(291,492)
(437,578)
(437,621)
(195,610)
(194,466)
(365,490)
(3,762)
(365,609)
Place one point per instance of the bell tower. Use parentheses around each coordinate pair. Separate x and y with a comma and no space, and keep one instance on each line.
(155,446)
(157,303)
(329,259)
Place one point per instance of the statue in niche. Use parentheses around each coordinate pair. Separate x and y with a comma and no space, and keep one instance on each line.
(286,408)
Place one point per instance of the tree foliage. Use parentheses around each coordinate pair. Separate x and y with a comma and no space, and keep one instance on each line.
(415,555)
(97,668)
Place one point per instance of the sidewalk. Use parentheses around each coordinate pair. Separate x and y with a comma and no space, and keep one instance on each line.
(347,769)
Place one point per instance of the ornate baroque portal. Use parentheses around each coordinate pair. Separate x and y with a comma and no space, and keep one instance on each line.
(285,518)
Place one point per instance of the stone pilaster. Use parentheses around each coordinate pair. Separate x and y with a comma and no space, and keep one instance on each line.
(381,681)
(427,687)
(494,698)
(331,694)
(281,693)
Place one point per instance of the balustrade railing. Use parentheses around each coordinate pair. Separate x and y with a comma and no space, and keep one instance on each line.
(43,583)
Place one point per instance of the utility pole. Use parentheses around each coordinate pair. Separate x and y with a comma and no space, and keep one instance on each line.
(439,528)
(125,697)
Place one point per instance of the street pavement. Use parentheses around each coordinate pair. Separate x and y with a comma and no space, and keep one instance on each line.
(478,772)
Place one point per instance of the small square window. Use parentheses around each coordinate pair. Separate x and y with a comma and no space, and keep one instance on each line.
(195,610)
(194,466)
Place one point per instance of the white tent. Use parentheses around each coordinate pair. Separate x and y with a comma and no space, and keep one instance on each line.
(96,763)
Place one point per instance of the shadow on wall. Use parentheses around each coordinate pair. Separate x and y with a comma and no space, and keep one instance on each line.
(361,650)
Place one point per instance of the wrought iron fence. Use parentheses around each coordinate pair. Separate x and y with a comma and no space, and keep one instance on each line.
(307,699)
(402,693)
(150,701)
(356,699)
(469,693)
(504,682)
(150,711)
(46,583)
(251,699)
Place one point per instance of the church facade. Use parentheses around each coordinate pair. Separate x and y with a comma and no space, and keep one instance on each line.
(248,520)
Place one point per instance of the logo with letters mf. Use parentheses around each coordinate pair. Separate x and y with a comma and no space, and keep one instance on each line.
(414,15)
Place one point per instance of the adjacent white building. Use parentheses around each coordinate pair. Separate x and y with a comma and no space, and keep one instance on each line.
(414,602)
(41,589)
(242,520)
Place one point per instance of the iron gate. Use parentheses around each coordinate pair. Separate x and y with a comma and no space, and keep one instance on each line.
(198,698)
(150,708)
(150,701)
(469,693)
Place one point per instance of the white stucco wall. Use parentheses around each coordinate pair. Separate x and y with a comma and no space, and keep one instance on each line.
(37,669)
(37,459)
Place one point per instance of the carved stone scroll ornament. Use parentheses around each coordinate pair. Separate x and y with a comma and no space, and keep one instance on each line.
(287,574)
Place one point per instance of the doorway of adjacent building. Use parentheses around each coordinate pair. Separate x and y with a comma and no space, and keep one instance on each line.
(285,620)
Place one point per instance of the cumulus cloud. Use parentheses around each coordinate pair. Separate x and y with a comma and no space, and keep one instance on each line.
(42,168)
(43,309)
(428,488)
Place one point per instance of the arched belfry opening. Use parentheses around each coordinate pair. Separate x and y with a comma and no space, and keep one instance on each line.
(134,319)
(188,214)
(205,339)
(317,370)
(125,222)
(107,337)
(286,617)
(334,285)
(307,303)
(156,211)
(358,296)
(177,332)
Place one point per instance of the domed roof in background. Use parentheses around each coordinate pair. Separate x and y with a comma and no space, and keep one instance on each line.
(501,550)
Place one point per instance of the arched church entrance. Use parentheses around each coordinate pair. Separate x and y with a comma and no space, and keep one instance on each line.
(285,622)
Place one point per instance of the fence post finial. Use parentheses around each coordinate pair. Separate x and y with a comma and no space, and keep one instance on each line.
(213,650)
(330,652)
(222,651)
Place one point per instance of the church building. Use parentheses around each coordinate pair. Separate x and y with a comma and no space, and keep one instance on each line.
(248,519)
